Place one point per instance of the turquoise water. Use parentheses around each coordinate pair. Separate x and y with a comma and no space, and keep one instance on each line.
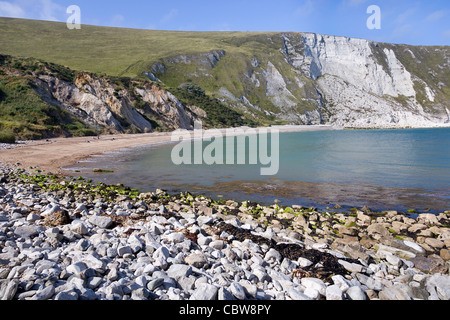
(384,169)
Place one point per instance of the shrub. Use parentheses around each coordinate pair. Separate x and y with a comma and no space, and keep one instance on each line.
(6,137)
(219,115)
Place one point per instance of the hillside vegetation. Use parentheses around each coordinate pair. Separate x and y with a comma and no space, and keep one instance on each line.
(113,51)
(24,115)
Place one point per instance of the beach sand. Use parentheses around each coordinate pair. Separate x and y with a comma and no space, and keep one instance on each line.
(53,154)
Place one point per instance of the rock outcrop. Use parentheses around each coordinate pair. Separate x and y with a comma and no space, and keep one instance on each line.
(101,104)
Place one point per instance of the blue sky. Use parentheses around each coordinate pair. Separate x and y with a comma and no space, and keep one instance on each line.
(418,22)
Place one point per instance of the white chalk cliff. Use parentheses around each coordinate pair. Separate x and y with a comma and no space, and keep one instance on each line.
(363,84)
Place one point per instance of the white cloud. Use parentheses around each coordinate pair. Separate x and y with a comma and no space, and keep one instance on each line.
(435,16)
(401,18)
(169,16)
(32,9)
(50,10)
(353,3)
(11,10)
(117,20)
(305,9)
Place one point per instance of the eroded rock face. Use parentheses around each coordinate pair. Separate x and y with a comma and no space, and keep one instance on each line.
(352,60)
(97,102)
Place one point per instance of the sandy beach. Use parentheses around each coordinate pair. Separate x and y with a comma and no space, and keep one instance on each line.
(53,154)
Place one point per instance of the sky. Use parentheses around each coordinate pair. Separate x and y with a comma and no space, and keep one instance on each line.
(416,22)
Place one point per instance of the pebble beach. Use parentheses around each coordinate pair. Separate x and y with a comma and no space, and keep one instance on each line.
(64,238)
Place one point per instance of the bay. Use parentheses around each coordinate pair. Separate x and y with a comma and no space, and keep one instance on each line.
(383,169)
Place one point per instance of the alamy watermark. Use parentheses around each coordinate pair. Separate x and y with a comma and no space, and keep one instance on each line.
(74,20)
(228,147)
(374,21)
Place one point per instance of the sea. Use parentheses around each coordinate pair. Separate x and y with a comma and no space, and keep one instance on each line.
(400,169)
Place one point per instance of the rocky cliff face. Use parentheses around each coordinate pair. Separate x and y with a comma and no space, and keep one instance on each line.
(108,107)
(307,78)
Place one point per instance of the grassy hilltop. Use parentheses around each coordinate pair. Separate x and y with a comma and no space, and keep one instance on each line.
(114,51)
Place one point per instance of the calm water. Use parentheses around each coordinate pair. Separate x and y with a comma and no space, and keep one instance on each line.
(384,169)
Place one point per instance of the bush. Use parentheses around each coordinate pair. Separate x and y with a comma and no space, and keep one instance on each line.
(219,115)
(6,137)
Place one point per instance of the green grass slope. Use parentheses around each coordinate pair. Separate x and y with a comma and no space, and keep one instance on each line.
(114,51)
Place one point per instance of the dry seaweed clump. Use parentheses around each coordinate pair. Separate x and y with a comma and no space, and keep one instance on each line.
(58,218)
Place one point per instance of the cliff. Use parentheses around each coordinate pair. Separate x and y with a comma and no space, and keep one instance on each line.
(67,101)
(306,78)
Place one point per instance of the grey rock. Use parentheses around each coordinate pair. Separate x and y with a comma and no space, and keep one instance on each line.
(161,252)
(396,292)
(333,292)
(51,208)
(140,294)
(115,288)
(438,285)
(177,271)
(66,296)
(237,291)
(261,274)
(351,267)
(250,288)
(93,282)
(123,250)
(374,284)
(88,294)
(162,210)
(80,228)
(431,264)
(176,237)
(94,262)
(76,268)
(316,284)
(312,293)
(83,244)
(356,293)
(27,231)
(154,284)
(297,295)
(225,295)
(187,283)
(217,244)
(414,246)
(198,260)
(8,289)
(205,220)
(101,221)
(288,266)
(340,281)
(204,241)
(205,292)
(304,263)
(45,293)
(32,217)
(273,254)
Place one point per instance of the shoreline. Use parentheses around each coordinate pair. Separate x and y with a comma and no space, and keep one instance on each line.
(52,155)
(61,155)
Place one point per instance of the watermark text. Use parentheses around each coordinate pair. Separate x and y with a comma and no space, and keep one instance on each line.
(228,147)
